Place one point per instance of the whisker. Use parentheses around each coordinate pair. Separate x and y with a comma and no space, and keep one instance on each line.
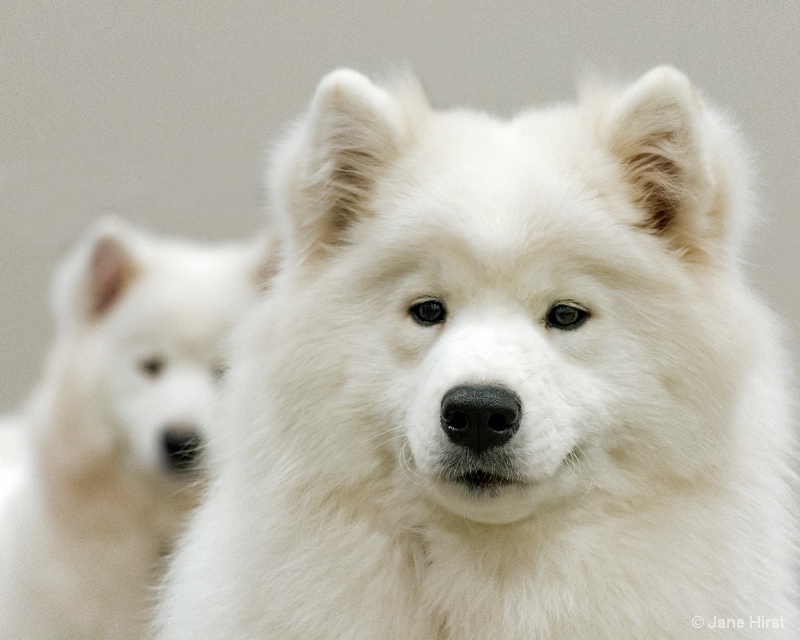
(413,475)
(382,433)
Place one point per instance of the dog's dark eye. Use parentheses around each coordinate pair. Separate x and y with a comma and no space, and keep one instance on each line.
(218,370)
(152,367)
(566,316)
(428,312)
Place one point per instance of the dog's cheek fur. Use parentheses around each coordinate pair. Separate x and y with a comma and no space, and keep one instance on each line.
(352,376)
(674,376)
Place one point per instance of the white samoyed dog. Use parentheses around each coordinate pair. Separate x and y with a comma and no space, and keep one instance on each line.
(510,384)
(115,429)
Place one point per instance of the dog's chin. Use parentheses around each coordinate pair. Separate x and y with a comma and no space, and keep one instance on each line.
(494,490)
(483,498)
(184,476)
(483,495)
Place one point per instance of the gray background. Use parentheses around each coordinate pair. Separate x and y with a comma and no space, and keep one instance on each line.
(162,110)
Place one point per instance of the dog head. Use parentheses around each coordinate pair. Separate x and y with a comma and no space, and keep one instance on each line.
(520,311)
(145,321)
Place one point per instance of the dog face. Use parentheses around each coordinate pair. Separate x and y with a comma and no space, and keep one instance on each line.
(148,319)
(529,301)
(539,347)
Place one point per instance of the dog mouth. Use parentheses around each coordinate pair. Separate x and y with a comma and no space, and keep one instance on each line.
(486,474)
(482,481)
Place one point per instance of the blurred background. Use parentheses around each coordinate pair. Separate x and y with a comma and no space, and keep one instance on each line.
(162,110)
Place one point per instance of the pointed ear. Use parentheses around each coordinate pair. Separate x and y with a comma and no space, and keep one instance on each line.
(94,277)
(264,259)
(659,132)
(324,175)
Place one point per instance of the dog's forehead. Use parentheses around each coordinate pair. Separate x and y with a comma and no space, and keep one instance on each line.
(155,318)
(190,298)
(495,202)
(473,254)
(492,176)
(495,197)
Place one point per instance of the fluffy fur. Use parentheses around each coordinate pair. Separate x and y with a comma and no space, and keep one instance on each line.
(650,480)
(142,323)
(12,453)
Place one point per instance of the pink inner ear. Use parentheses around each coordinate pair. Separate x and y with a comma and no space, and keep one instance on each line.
(111,272)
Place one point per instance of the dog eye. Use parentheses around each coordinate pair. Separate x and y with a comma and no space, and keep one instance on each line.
(428,312)
(152,367)
(566,316)
(218,371)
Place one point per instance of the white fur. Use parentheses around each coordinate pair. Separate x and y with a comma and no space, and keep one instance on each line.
(83,534)
(12,452)
(654,456)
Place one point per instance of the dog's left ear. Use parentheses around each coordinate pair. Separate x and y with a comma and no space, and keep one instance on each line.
(324,175)
(96,274)
(660,133)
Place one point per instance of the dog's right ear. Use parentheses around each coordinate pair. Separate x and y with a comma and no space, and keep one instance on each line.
(323,176)
(98,271)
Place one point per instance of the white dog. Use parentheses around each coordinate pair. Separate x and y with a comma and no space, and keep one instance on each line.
(116,428)
(510,384)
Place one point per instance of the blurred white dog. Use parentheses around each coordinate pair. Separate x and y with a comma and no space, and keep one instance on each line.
(510,384)
(116,429)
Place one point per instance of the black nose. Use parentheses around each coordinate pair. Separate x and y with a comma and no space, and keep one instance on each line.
(480,418)
(182,447)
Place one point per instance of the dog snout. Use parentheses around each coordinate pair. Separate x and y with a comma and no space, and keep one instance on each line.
(182,444)
(480,417)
